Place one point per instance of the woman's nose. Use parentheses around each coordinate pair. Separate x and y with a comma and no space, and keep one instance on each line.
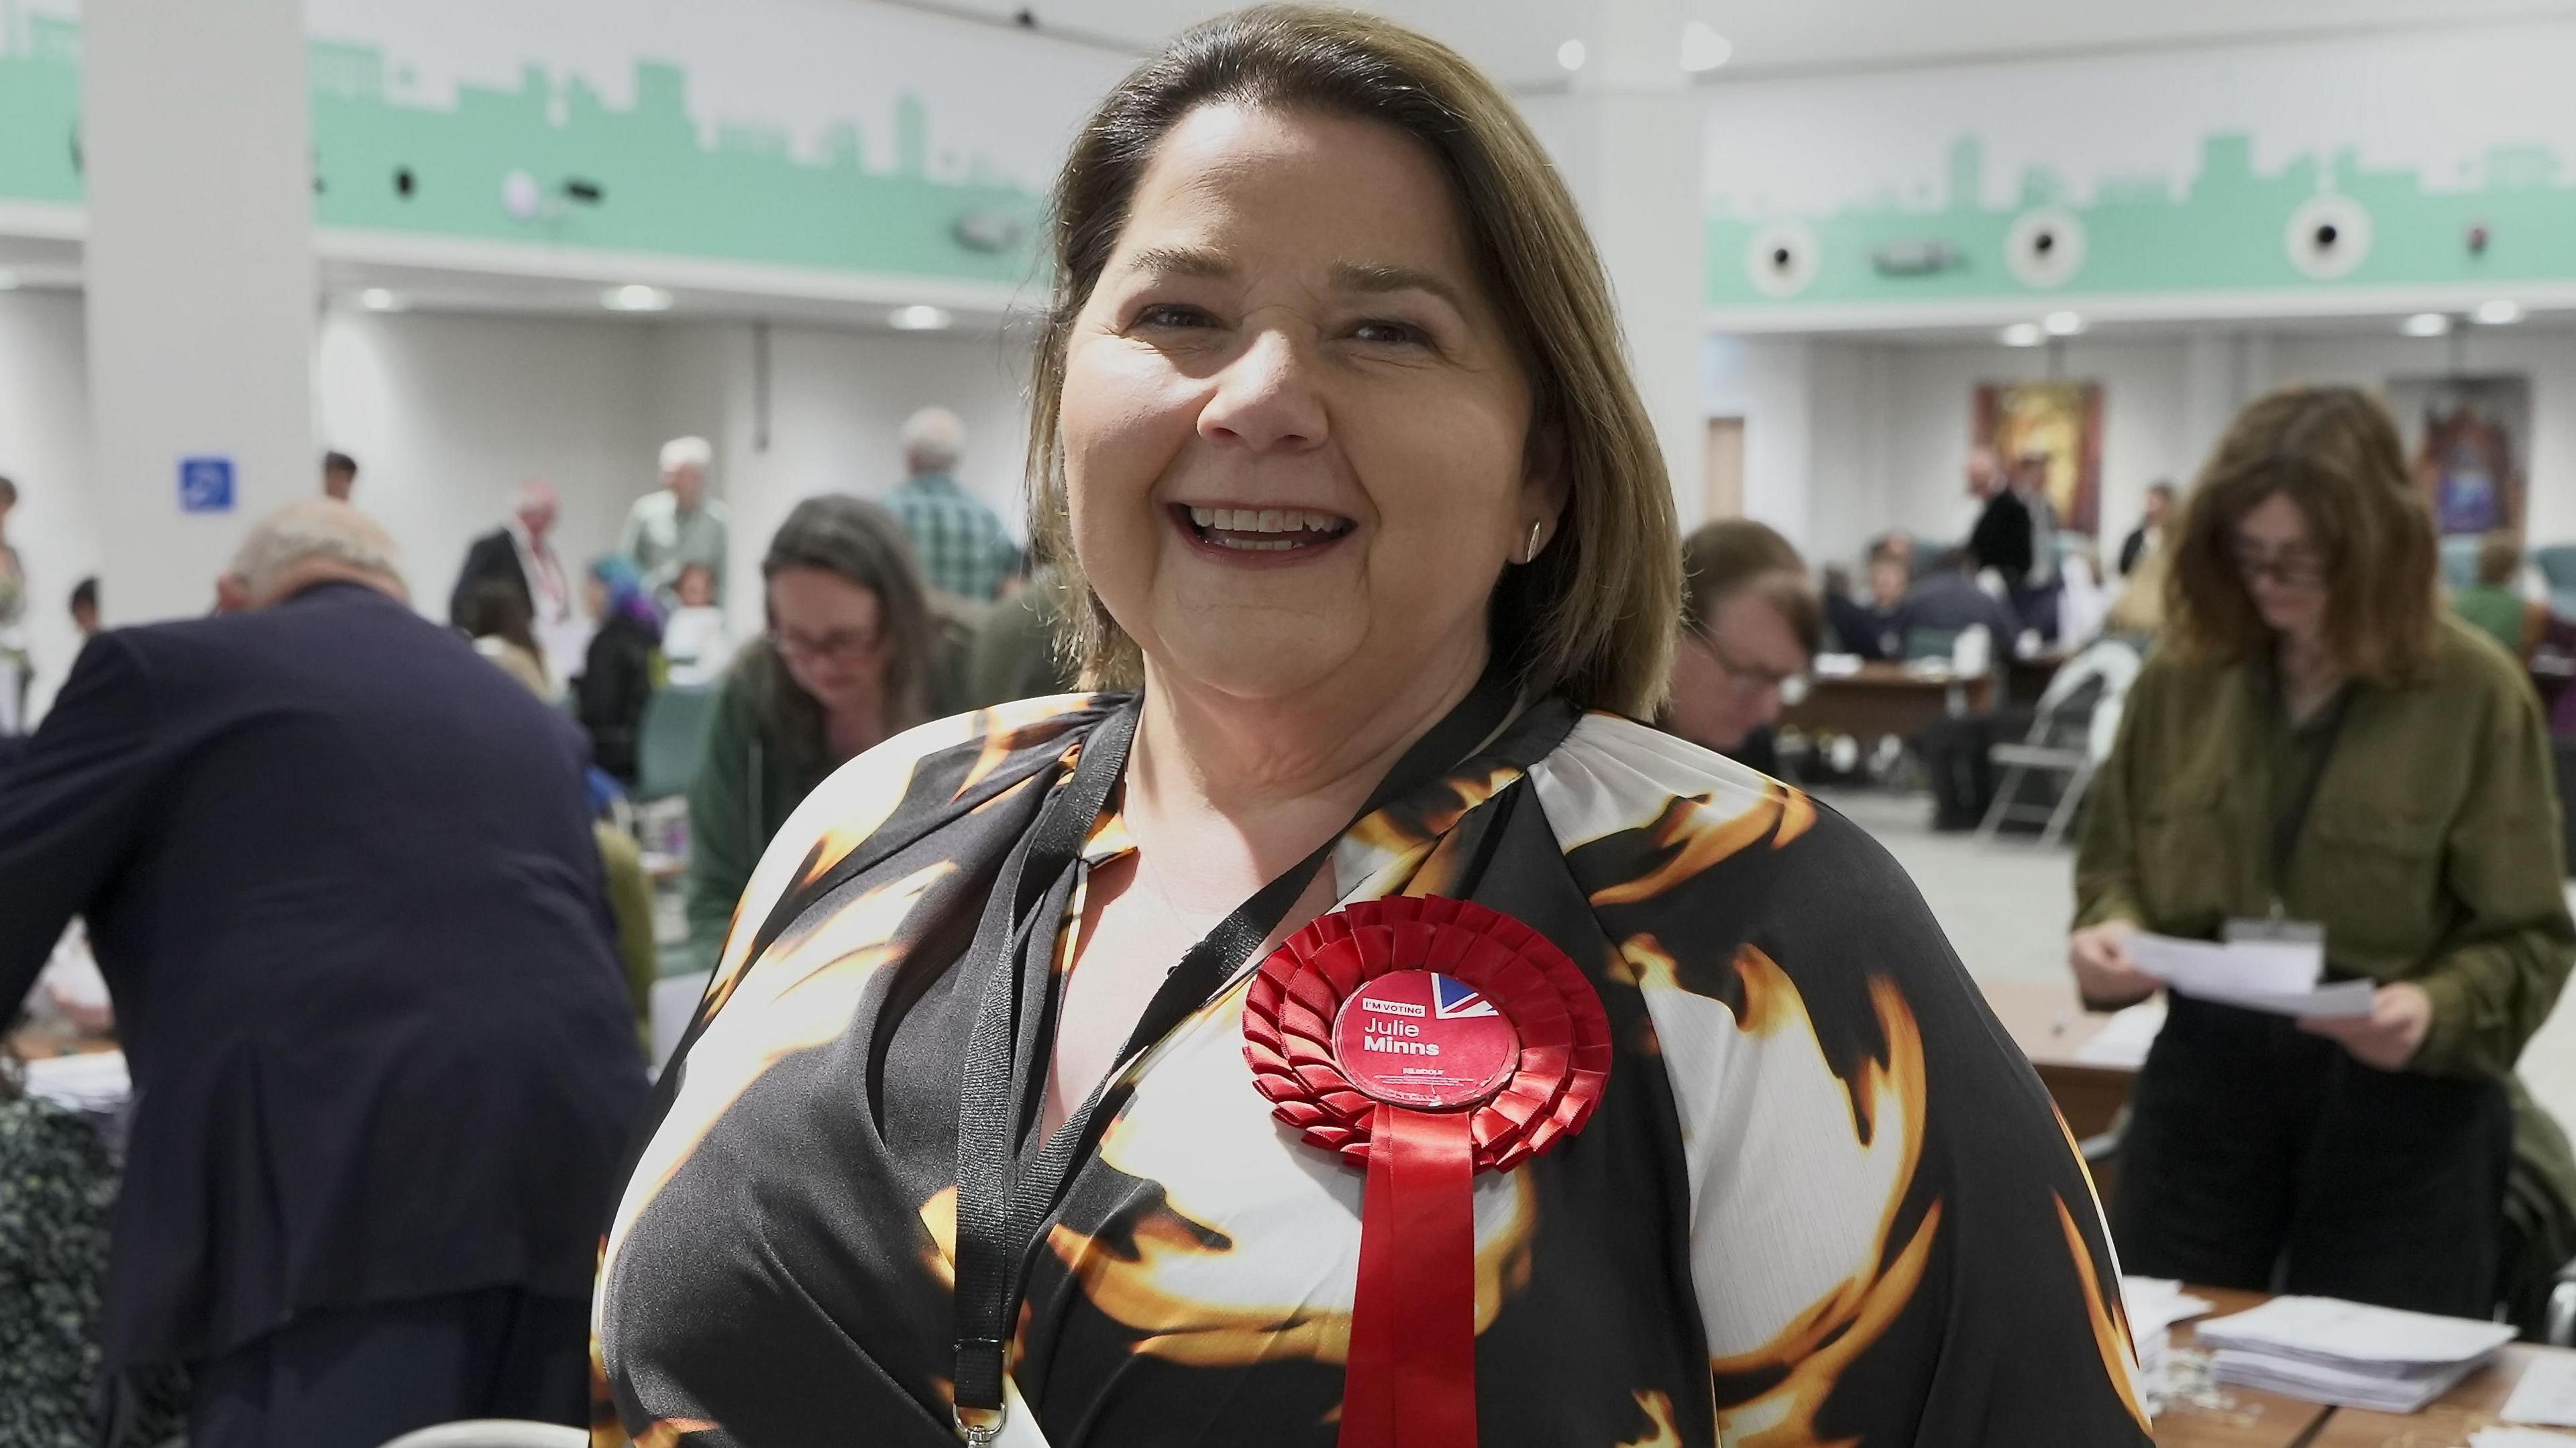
(1266,398)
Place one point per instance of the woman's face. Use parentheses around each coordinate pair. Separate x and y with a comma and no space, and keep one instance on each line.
(595,594)
(1295,435)
(2277,556)
(830,632)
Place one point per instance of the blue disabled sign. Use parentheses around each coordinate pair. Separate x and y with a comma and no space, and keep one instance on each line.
(205,485)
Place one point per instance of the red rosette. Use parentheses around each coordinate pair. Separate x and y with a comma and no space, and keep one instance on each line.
(1527,1052)
(1294,1000)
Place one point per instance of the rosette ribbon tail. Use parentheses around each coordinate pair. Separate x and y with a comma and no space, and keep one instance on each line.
(1411,1378)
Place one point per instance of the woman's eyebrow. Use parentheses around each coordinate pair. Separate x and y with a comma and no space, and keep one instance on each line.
(1381,277)
(1182,261)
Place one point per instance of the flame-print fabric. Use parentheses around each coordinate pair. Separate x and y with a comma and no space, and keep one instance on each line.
(1823,1201)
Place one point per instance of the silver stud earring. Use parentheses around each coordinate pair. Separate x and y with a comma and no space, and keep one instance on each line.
(1529,554)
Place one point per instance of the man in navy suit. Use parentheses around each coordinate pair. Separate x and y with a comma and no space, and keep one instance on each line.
(339,872)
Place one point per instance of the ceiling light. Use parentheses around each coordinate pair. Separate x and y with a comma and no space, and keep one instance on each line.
(2425,324)
(2500,312)
(635,298)
(1570,55)
(2062,324)
(377,299)
(1703,48)
(2020,334)
(919,318)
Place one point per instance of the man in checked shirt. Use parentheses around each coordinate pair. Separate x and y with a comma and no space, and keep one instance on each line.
(963,548)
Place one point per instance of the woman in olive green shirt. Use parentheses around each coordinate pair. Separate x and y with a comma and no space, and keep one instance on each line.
(2318,741)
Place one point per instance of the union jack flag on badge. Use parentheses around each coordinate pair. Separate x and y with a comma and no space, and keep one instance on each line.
(1452,999)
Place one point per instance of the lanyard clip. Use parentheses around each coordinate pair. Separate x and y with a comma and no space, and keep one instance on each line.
(979,1427)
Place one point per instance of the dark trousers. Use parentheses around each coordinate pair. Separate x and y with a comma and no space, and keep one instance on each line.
(2259,1156)
(357,1377)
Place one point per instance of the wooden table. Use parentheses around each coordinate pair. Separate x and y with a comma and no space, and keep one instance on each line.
(2449,1421)
(1883,699)
(2026,679)
(2050,1025)
(2236,1417)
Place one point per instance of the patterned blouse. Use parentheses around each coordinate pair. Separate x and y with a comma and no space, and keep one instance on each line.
(1823,1199)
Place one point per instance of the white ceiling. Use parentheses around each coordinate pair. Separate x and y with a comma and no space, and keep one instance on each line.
(1516,40)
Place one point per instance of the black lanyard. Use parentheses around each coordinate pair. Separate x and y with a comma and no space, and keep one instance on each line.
(2292,821)
(1004,1194)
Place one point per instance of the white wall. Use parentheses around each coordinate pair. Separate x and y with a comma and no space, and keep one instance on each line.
(446,413)
(44,449)
(837,402)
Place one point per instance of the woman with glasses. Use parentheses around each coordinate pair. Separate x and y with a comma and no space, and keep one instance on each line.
(1751,621)
(2319,748)
(847,663)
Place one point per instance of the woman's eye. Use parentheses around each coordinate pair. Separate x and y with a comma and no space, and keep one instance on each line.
(1385,332)
(1171,314)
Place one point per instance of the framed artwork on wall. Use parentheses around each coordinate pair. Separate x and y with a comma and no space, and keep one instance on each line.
(2063,421)
(2468,437)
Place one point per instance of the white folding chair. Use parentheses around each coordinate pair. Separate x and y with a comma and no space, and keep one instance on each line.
(2060,744)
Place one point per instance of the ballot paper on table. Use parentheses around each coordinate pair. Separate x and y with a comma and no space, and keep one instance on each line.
(2329,1351)
(2275,976)
(2546,1394)
(2519,1438)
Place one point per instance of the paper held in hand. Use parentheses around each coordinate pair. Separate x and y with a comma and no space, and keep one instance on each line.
(2275,976)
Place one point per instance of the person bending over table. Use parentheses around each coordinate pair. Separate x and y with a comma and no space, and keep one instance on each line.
(1367,536)
(2318,745)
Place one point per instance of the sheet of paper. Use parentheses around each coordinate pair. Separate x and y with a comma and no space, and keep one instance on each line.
(2204,967)
(2275,976)
(2519,1438)
(2156,1303)
(2546,1394)
(2124,1039)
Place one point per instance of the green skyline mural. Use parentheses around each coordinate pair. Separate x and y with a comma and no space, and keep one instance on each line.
(593,176)
(2318,223)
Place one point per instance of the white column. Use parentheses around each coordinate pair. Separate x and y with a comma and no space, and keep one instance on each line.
(1627,139)
(195,143)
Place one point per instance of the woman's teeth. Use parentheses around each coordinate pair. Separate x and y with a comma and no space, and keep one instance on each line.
(1287,527)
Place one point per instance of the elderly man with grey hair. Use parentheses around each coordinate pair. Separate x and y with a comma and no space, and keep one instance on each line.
(963,549)
(668,530)
(340,875)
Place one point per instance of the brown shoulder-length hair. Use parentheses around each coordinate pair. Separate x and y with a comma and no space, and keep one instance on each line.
(1593,617)
(862,542)
(2334,452)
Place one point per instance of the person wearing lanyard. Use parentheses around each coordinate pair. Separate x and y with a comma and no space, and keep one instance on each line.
(1654,1105)
(2320,747)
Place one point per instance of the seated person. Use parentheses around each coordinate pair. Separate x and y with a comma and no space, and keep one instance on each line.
(2493,606)
(852,657)
(1876,630)
(1949,601)
(1750,624)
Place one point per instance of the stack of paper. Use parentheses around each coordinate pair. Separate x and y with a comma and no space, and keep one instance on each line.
(92,1083)
(2154,1305)
(2279,976)
(2344,1353)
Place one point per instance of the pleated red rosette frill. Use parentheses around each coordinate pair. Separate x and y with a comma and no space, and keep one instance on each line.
(1411,1374)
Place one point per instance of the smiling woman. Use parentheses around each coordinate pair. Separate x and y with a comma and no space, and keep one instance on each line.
(1018,1108)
